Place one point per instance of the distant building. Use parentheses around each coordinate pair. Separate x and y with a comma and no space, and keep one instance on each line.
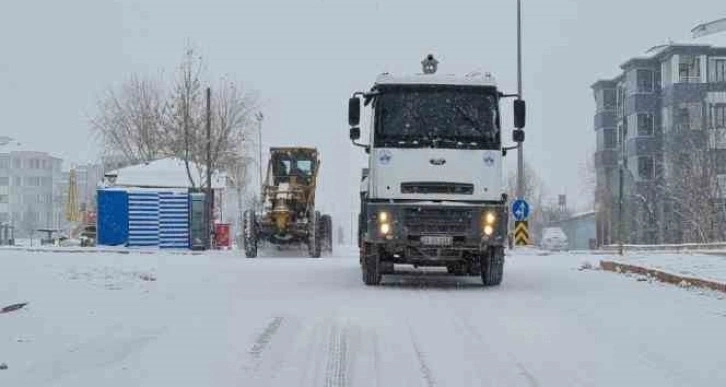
(29,188)
(664,118)
(580,230)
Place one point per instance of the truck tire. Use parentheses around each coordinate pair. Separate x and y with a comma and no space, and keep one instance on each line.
(314,242)
(328,233)
(492,266)
(371,266)
(249,233)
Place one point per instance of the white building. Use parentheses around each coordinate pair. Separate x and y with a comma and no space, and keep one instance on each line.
(30,191)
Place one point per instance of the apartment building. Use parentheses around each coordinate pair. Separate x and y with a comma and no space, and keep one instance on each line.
(663,119)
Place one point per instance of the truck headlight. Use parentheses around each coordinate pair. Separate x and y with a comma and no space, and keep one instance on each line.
(385,228)
(488,230)
(383,217)
(490,218)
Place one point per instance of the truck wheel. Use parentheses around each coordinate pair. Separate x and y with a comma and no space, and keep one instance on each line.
(314,236)
(324,233)
(371,266)
(249,233)
(492,266)
(329,233)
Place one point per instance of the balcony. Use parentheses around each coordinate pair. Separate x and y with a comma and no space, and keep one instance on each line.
(606,158)
(689,79)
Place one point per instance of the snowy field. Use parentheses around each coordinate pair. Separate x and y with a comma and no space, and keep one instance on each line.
(222,320)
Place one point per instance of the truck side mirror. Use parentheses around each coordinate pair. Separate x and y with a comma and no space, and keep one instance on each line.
(518,135)
(520,112)
(354,111)
(355,133)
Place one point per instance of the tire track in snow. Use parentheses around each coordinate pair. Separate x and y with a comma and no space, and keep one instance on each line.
(264,338)
(336,374)
(423,366)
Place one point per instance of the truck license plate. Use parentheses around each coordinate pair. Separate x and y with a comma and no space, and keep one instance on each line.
(437,240)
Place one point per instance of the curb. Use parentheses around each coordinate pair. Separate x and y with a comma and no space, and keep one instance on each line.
(662,276)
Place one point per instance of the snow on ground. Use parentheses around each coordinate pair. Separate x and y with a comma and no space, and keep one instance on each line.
(704,266)
(222,320)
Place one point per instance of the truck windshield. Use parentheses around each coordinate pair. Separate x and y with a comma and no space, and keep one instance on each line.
(451,117)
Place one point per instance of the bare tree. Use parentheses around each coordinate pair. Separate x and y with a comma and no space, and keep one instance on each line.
(130,121)
(187,109)
(588,177)
(692,188)
(142,121)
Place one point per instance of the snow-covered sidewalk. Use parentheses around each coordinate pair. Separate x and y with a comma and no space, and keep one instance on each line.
(705,270)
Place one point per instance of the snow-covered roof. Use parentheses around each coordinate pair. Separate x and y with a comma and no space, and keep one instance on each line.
(711,34)
(10,145)
(164,173)
(473,79)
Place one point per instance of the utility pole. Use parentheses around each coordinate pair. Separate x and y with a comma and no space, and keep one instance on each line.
(210,191)
(621,178)
(260,117)
(520,149)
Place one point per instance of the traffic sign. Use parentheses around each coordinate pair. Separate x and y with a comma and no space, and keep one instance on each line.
(521,233)
(520,210)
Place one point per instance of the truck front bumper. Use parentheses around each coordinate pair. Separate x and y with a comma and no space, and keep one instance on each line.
(435,231)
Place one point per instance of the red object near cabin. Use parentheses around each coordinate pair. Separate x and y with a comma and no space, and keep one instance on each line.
(221,232)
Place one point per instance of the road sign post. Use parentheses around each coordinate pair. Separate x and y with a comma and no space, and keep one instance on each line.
(521,233)
(520,211)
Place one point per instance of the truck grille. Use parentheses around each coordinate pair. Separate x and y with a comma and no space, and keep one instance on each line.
(437,188)
(437,220)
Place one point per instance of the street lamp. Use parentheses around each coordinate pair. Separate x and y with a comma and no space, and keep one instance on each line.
(520,150)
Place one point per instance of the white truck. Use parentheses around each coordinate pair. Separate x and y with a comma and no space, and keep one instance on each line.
(432,193)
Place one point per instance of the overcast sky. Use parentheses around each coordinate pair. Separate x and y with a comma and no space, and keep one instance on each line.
(305,57)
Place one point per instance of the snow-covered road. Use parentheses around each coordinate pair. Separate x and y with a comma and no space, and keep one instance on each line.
(222,320)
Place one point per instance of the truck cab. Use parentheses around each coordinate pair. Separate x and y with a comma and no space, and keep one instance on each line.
(432,193)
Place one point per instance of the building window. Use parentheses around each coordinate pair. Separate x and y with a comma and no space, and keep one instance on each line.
(720,161)
(688,116)
(721,179)
(689,69)
(645,81)
(17,163)
(646,168)
(645,124)
(4,163)
(717,70)
(610,100)
(610,138)
(17,181)
(717,113)
(4,217)
(4,181)
(3,198)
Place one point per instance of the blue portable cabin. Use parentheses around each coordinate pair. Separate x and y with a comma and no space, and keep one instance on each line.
(112,219)
(149,205)
(143,217)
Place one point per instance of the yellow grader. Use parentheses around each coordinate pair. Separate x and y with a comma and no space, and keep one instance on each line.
(288,216)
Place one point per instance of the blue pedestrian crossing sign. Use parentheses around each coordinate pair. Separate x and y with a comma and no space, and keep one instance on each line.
(520,210)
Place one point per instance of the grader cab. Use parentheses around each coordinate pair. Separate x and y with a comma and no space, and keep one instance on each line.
(288,215)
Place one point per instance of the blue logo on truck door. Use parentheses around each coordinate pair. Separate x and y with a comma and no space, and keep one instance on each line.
(384,157)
